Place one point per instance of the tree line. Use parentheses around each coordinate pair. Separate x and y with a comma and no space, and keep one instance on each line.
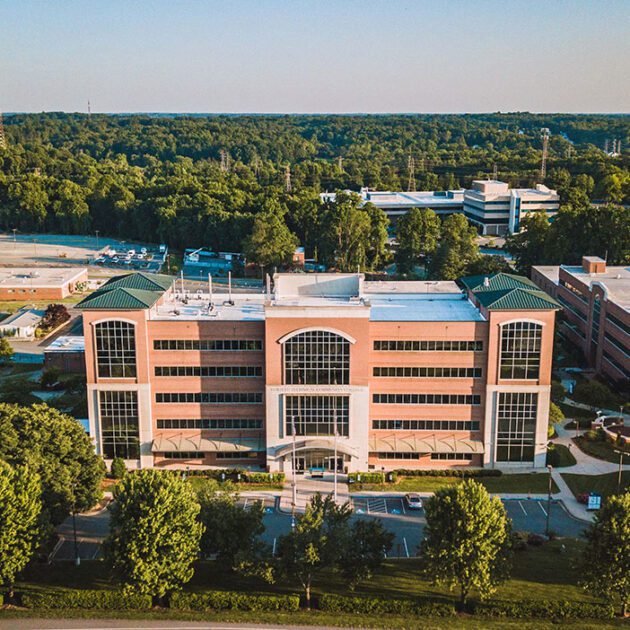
(202,181)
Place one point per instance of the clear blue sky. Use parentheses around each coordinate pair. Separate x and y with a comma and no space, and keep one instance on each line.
(315,55)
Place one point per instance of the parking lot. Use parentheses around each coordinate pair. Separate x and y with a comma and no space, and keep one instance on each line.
(407,525)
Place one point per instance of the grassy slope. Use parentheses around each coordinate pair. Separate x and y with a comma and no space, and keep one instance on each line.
(518,483)
(602,484)
(600,449)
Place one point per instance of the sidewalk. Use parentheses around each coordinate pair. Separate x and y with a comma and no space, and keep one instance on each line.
(307,488)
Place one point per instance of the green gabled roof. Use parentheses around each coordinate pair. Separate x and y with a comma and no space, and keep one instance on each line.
(141,281)
(497,282)
(517,300)
(120,299)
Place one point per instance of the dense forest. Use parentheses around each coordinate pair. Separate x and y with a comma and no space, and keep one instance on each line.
(202,180)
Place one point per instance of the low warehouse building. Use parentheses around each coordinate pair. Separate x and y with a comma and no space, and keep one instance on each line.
(40,283)
(21,324)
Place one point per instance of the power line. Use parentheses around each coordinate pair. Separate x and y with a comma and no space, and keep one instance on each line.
(3,141)
(411,183)
(545,147)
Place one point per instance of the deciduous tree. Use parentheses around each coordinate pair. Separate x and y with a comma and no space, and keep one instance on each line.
(20,507)
(605,567)
(467,539)
(154,533)
(417,233)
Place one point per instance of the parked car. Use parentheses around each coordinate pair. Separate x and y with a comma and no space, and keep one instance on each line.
(413,501)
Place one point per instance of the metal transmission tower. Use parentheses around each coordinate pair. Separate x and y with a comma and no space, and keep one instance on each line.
(287,178)
(225,160)
(89,108)
(411,168)
(3,141)
(495,172)
(256,166)
(606,145)
(340,163)
(545,148)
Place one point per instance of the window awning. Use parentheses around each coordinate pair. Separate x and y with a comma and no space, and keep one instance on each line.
(429,444)
(181,443)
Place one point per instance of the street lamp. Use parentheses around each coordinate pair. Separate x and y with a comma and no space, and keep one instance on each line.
(335,461)
(293,476)
(97,247)
(549,468)
(621,454)
(77,557)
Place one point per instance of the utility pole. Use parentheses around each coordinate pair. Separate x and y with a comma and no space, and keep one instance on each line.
(287,178)
(3,141)
(619,475)
(545,148)
(411,168)
(495,172)
(89,108)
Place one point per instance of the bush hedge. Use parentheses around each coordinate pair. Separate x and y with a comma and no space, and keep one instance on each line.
(378,606)
(239,476)
(445,472)
(225,600)
(369,477)
(545,609)
(88,599)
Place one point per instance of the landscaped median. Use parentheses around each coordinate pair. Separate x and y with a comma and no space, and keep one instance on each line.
(433,480)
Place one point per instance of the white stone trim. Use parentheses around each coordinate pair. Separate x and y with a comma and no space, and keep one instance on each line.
(334,331)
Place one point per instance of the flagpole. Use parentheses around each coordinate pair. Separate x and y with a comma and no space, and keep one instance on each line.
(335,460)
(293,478)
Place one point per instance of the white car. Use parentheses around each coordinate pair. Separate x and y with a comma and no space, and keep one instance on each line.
(413,501)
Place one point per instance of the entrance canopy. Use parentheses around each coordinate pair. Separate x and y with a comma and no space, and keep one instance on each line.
(180,443)
(320,444)
(429,444)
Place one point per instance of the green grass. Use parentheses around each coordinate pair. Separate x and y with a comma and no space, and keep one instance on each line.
(600,449)
(536,483)
(317,618)
(545,572)
(559,456)
(13,306)
(602,484)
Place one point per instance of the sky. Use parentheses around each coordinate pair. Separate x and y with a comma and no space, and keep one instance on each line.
(315,55)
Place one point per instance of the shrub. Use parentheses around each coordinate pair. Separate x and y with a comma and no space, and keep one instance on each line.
(88,599)
(118,468)
(366,477)
(535,540)
(545,609)
(447,472)
(378,606)
(238,475)
(225,600)
(49,377)
(519,541)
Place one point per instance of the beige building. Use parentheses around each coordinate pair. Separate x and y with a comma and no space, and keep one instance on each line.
(40,283)
(387,374)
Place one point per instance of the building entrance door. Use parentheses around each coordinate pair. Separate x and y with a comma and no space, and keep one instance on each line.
(319,459)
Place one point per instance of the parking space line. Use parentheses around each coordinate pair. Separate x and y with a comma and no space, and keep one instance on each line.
(402,504)
(406,548)
(245,504)
(522,508)
(273,550)
(98,549)
(542,508)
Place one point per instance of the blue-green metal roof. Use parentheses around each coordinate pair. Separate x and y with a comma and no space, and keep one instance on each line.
(139,280)
(497,282)
(120,299)
(517,300)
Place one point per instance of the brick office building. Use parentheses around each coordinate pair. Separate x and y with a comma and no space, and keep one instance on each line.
(392,374)
(40,283)
(595,299)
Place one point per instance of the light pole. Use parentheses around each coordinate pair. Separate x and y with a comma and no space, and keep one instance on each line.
(549,468)
(14,230)
(97,247)
(77,558)
(621,454)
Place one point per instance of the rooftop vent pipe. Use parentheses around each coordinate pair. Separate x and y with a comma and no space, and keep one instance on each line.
(486,282)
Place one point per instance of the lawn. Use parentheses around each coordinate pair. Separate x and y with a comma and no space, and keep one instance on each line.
(11,306)
(559,456)
(601,449)
(535,483)
(602,484)
(544,572)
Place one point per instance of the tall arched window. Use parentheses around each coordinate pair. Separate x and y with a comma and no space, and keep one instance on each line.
(317,357)
(115,349)
(520,351)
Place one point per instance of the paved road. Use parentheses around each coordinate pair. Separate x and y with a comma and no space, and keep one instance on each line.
(407,525)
